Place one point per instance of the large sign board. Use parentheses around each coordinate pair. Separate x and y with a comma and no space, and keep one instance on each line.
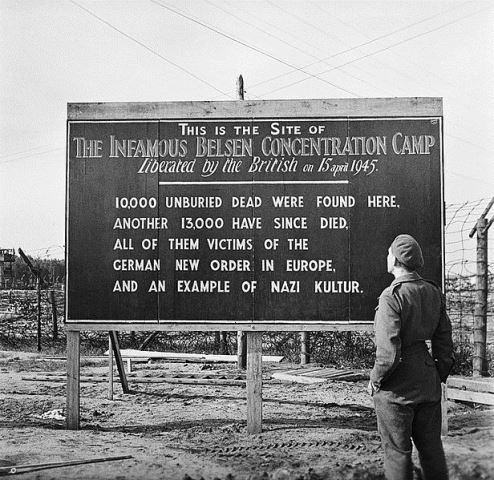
(274,213)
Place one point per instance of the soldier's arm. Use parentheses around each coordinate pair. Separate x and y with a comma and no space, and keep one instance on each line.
(387,327)
(442,344)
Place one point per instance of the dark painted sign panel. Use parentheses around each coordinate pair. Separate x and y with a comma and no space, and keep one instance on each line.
(240,220)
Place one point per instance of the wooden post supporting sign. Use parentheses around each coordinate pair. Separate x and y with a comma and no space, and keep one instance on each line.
(118,358)
(110,368)
(304,348)
(254,382)
(241,340)
(73,379)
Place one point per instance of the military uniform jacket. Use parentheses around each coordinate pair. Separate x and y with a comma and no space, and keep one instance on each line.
(410,311)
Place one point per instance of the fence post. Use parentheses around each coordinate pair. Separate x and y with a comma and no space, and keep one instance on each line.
(39,282)
(304,348)
(241,350)
(480,315)
(54,314)
(480,367)
(38,310)
(224,350)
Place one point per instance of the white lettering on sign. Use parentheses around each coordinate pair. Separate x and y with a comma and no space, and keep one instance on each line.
(132,148)
(203,286)
(246,202)
(288,201)
(290,223)
(134,202)
(140,223)
(277,129)
(285,286)
(134,265)
(246,129)
(123,244)
(151,165)
(273,165)
(157,286)
(183,243)
(230,243)
(186,264)
(382,201)
(412,144)
(230,265)
(298,243)
(302,265)
(186,129)
(246,223)
(218,147)
(192,202)
(125,286)
(334,223)
(342,201)
(337,286)
(200,223)
(88,148)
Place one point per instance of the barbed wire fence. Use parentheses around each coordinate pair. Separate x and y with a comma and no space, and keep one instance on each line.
(461,273)
(18,311)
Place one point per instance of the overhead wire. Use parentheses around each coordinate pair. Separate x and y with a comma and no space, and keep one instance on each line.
(31,155)
(371,40)
(468,141)
(470,178)
(430,72)
(22,152)
(355,47)
(291,45)
(370,54)
(252,47)
(333,36)
(271,25)
(154,52)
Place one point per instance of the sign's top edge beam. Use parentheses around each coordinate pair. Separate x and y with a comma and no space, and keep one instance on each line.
(342,107)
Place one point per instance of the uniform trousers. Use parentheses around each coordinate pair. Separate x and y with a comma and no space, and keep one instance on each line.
(399,422)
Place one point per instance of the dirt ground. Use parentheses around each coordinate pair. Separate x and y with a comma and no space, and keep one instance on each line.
(181,431)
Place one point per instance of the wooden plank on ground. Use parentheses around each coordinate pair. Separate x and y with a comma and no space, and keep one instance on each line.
(137,355)
(444,409)
(318,375)
(288,377)
(185,381)
(469,396)
(475,384)
(131,353)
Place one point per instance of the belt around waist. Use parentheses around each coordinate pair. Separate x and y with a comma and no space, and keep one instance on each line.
(414,349)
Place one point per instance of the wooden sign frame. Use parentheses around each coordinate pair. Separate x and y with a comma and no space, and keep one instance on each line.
(379,108)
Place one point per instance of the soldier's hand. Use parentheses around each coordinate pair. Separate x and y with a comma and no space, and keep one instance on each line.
(371,388)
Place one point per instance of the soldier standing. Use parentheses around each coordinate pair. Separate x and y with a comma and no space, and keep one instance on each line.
(405,381)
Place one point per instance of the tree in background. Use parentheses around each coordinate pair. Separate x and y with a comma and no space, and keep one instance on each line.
(52,271)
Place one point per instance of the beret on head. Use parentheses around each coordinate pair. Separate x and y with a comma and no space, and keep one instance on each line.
(406,249)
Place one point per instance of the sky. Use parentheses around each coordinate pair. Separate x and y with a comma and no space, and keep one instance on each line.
(54,52)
